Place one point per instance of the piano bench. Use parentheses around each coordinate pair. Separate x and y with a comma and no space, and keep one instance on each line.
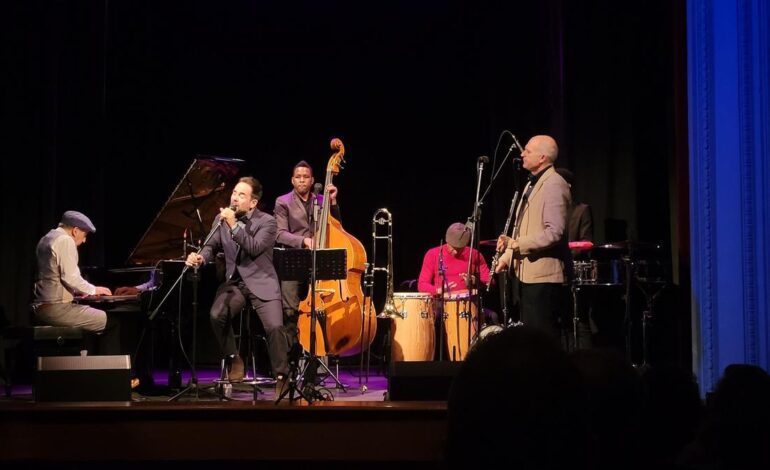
(36,341)
(57,340)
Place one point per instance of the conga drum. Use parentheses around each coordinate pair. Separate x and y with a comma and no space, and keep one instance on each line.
(413,333)
(460,324)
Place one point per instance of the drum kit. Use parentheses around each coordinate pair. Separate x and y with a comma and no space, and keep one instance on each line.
(620,265)
(416,336)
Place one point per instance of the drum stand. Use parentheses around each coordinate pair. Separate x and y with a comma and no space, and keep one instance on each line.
(575,314)
(650,295)
(629,265)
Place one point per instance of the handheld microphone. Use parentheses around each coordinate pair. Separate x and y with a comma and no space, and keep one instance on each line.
(517,144)
(483,159)
(318,191)
(233,207)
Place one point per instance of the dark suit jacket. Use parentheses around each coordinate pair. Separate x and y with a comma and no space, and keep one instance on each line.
(294,223)
(250,250)
(581,224)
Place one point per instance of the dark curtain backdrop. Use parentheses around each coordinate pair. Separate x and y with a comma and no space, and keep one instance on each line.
(108,102)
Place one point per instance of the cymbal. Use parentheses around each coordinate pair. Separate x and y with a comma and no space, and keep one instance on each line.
(630,245)
(609,246)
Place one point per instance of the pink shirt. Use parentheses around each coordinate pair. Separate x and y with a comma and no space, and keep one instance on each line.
(430,281)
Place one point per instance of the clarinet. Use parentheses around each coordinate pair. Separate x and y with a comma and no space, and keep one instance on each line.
(496,258)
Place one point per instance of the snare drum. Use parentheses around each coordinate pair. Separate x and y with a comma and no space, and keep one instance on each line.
(460,313)
(585,272)
(413,334)
(610,273)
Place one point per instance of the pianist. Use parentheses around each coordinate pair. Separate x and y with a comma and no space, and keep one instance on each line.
(58,281)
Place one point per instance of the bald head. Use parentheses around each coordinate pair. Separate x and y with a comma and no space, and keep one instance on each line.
(547,146)
(540,152)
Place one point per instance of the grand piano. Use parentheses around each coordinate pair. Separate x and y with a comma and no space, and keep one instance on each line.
(157,262)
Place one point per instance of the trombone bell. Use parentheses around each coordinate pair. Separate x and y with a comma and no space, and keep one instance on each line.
(389,310)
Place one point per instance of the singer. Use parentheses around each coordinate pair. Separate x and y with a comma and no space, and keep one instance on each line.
(538,253)
(246,235)
(294,217)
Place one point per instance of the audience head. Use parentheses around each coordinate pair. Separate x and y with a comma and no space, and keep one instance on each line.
(517,402)
(614,392)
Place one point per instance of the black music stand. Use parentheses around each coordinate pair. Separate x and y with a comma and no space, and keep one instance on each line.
(297,265)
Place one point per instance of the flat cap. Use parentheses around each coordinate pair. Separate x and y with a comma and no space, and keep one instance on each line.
(76,219)
(458,235)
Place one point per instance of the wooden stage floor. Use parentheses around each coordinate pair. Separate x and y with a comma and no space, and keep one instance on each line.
(358,428)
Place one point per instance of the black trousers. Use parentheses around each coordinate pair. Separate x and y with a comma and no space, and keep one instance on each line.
(230,299)
(546,306)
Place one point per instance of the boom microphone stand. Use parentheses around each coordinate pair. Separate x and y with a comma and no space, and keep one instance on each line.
(504,279)
(192,386)
(474,241)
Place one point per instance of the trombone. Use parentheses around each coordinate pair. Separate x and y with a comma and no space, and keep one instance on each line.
(382,218)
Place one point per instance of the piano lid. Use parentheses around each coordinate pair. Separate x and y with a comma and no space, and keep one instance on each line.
(205,187)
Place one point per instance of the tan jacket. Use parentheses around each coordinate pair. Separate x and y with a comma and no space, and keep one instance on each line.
(541,231)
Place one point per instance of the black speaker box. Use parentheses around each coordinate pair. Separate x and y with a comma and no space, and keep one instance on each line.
(83,378)
(421,381)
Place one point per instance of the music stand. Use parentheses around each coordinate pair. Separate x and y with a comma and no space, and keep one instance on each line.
(297,265)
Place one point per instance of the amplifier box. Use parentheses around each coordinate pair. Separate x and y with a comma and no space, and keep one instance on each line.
(83,378)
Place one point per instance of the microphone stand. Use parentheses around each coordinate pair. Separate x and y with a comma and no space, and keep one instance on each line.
(513,146)
(307,389)
(311,369)
(473,221)
(192,386)
(444,290)
(517,166)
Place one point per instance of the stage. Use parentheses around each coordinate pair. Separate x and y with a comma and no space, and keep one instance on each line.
(357,427)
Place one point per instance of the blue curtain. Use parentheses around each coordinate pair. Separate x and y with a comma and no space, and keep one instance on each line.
(729,137)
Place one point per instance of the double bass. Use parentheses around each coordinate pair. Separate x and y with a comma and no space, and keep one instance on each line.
(339,303)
